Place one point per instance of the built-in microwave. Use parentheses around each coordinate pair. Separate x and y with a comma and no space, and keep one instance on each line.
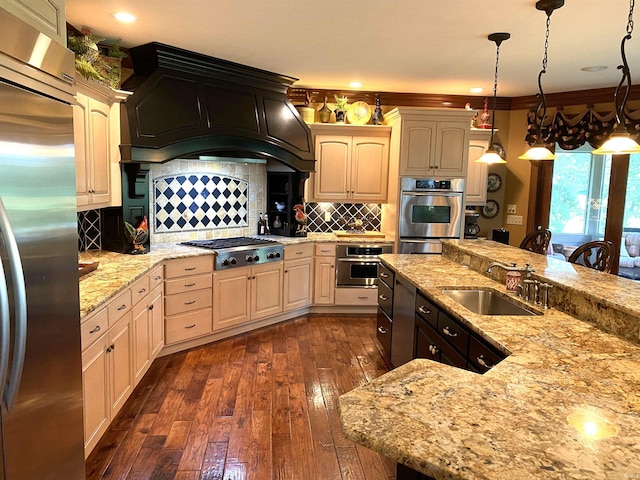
(430,210)
(357,265)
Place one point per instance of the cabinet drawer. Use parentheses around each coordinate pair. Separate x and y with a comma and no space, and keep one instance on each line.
(482,356)
(119,306)
(294,252)
(426,310)
(189,266)
(156,277)
(93,328)
(187,302)
(188,284)
(179,328)
(325,250)
(385,298)
(432,346)
(139,290)
(453,332)
(356,296)
(383,334)
(385,275)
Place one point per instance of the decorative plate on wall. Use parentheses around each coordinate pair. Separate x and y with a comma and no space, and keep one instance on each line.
(491,209)
(494,182)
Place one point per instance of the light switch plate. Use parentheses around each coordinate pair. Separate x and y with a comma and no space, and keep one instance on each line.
(511,208)
(514,219)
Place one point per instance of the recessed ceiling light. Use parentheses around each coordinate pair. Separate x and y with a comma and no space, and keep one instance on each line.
(355,84)
(125,17)
(476,90)
(594,68)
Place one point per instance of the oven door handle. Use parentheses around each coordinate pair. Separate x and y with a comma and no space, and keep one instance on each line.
(432,194)
(358,260)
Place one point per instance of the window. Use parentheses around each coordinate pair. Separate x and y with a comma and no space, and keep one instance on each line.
(632,199)
(579,194)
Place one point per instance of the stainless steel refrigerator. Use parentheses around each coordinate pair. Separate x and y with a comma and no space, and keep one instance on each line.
(40,353)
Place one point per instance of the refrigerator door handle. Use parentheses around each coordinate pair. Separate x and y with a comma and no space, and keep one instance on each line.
(5,325)
(20,297)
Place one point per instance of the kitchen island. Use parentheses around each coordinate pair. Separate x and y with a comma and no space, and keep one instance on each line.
(564,404)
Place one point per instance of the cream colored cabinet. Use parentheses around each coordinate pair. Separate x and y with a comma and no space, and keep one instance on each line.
(298,276)
(46,16)
(245,294)
(107,379)
(476,183)
(324,285)
(430,142)
(188,298)
(96,123)
(353,163)
(147,322)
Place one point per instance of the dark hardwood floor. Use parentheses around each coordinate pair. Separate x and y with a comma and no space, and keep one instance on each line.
(259,406)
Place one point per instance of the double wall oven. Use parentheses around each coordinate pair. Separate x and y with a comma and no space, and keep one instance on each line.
(430,210)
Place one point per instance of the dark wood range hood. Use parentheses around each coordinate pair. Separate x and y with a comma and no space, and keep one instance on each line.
(187,105)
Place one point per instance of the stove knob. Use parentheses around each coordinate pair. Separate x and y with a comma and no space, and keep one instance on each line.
(277,254)
(224,262)
(232,260)
(271,255)
(256,258)
(249,258)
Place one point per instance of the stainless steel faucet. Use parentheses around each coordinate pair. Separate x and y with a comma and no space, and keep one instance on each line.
(527,270)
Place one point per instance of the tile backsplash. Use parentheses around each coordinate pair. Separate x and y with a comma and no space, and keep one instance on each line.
(325,217)
(89,230)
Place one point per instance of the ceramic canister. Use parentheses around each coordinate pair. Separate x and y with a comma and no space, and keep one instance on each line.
(513,279)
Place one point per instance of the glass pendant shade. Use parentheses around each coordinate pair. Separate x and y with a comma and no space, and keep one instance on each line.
(490,156)
(538,152)
(620,142)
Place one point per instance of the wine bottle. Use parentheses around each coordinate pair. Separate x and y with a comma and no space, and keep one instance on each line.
(267,228)
(261,227)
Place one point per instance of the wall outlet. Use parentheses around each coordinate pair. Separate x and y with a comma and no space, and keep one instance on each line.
(327,216)
(466,260)
(511,208)
(514,219)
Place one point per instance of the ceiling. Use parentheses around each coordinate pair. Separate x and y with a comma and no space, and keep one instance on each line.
(413,46)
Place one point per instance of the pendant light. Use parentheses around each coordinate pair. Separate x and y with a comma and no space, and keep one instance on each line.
(620,141)
(539,150)
(491,155)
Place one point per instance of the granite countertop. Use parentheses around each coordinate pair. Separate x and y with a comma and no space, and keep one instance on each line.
(565,404)
(116,271)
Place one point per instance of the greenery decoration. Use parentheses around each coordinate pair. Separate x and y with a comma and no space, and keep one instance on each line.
(95,61)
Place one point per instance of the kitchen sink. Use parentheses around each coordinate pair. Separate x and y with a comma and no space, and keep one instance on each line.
(486,301)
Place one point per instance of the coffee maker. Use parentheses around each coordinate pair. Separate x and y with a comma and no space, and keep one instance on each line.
(471,227)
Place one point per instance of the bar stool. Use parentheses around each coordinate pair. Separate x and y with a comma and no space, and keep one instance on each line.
(537,241)
(598,255)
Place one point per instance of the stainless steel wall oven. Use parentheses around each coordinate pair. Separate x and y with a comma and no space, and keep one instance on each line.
(357,264)
(430,209)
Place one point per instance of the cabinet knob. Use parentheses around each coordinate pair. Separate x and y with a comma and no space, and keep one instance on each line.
(384,275)
(382,330)
(482,363)
(95,330)
(383,297)
(150,307)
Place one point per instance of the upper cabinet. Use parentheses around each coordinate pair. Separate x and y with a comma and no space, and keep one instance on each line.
(352,163)
(476,185)
(432,142)
(96,123)
(47,16)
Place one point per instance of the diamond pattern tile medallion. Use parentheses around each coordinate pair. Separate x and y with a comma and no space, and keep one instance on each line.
(199,201)
(340,214)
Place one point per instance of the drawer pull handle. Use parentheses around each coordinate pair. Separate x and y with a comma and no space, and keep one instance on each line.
(150,307)
(433,350)
(95,330)
(425,311)
(188,269)
(189,284)
(190,303)
(190,326)
(142,290)
(158,278)
(383,297)
(363,297)
(482,363)
(382,330)
(325,251)
(448,332)
(122,307)
(384,275)
(299,253)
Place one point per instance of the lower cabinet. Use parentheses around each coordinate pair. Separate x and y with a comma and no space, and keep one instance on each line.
(298,276)
(324,285)
(245,294)
(188,298)
(356,296)
(107,379)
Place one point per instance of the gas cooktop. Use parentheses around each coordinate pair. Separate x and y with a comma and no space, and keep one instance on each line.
(241,251)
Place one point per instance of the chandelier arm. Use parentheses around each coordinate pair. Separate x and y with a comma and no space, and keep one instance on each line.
(626,76)
(542,105)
